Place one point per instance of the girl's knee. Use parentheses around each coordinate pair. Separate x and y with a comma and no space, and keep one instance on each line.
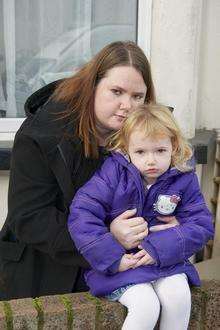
(174,292)
(146,305)
(176,301)
(142,304)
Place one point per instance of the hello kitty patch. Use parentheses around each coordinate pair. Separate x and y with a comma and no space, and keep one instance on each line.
(166,204)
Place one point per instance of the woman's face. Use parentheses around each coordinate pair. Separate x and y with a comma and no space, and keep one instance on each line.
(116,96)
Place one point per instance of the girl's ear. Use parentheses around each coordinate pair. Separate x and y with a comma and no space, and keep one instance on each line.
(174,150)
(174,146)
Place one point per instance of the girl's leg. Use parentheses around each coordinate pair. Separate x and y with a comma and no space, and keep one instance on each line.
(175,298)
(143,307)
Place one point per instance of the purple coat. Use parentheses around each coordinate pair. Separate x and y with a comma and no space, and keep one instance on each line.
(117,187)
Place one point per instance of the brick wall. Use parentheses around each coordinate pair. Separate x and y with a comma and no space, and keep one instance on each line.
(82,311)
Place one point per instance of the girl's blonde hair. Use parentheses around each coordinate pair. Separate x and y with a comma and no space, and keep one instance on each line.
(155,121)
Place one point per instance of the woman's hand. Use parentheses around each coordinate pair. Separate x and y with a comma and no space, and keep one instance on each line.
(129,230)
(170,222)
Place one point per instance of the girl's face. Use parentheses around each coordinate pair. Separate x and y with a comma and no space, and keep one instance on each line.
(151,156)
(117,95)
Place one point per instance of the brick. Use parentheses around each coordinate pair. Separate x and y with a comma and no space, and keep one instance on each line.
(81,311)
(24,314)
(211,296)
(8,315)
(2,317)
(205,312)
(196,317)
(84,311)
(54,313)
(112,315)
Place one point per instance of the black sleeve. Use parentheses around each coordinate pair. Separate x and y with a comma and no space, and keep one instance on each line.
(33,215)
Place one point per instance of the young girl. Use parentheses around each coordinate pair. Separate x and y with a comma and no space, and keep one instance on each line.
(147,170)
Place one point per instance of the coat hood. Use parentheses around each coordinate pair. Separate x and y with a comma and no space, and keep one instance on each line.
(39,98)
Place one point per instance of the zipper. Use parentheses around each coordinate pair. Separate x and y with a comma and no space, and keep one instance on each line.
(140,187)
(62,155)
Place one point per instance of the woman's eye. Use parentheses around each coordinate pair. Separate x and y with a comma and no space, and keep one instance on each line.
(138,97)
(116,91)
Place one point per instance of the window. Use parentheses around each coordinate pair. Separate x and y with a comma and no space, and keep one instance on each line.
(42,41)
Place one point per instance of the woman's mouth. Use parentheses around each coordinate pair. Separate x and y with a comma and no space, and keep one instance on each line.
(120,117)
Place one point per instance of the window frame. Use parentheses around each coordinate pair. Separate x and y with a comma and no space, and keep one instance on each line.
(9,126)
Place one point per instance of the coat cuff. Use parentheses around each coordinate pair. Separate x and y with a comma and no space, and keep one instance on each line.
(151,250)
(104,253)
(113,269)
(168,245)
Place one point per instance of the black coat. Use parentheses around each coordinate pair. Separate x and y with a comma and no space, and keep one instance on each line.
(37,255)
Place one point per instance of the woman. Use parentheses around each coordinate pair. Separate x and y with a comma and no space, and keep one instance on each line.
(57,149)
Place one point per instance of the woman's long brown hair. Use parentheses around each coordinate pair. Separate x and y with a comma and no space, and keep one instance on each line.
(78,91)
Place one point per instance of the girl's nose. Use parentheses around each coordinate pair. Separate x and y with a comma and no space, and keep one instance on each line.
(150,159)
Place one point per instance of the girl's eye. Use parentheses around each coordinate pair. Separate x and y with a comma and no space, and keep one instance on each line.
(116,91)
(139,152)
(160,151)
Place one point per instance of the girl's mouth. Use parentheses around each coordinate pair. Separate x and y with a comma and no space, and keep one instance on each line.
(151,171)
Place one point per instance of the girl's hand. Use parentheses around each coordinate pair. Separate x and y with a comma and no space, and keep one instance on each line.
(143,258)
(127,262)
(129,230)
(170,222)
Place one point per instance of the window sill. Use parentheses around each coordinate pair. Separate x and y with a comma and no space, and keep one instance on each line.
(6,138)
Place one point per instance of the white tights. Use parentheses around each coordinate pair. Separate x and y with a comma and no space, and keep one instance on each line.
(143,302)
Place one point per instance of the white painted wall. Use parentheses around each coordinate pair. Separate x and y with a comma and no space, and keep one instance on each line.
(185,59)
(208,107)
(176,27)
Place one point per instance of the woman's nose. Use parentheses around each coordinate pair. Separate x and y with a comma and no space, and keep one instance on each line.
(126,103)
